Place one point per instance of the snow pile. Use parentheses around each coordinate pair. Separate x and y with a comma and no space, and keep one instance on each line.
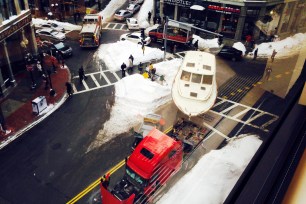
(205,43)
(283,48)
(240,46)
(65,25)
(114,54)
(143,14)
(215,174)
(134,98)
(110,9)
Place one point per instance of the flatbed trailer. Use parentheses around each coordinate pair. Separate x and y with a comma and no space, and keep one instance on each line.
(154,160)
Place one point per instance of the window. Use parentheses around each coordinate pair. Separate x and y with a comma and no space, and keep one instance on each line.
(206,67)
(189,64)
(207,79)
(196,78)
(185,76)
(146,153)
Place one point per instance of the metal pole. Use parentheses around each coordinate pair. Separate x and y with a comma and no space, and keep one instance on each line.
(165,35)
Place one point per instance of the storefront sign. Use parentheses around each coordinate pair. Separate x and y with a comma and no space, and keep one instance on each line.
(226,10)
(14,27)
(182,3)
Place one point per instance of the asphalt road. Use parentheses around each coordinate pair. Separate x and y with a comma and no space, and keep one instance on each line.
(49,163)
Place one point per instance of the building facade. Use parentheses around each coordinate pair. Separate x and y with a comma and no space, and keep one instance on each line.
(17,38)
(236,19)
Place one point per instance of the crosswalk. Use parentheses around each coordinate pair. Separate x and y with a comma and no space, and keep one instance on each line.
(115,26)
(235,111)
(102,79)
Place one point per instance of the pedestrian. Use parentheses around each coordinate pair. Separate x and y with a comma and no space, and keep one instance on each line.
(174,49)
(63,63)
(75,18)
(196,45)
(149,16)
(248,40)
(154,20)
(142,34)
(158,20)
(130,68)
(273,55)
(54,66)
(220,40)
(152,71)
(140,68)
(69,89)
(39,68)
(143,47)
(268,72)
(123,68)
(132,58)
(82,75)
(255,53)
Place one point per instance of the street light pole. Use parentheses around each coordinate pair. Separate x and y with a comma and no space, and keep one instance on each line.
(165,36)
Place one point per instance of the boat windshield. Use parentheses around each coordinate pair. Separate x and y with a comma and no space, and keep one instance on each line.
(207,79)
(196,78)
(185,76)
(135,177)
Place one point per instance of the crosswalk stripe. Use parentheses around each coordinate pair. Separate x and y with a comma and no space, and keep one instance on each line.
(85,85)
(95,80)
(116,75)
(105,77)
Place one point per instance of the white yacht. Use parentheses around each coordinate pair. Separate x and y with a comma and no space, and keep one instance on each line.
(194,89)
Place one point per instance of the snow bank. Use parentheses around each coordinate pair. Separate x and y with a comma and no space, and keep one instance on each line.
(240,46)
(205,43)
(135,97)
(110,9)
(114,54)
(283,47)
(143,13)
(213,177)
(65,25)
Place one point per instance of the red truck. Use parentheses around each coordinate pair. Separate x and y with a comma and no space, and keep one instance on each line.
(175,32)
(154,160)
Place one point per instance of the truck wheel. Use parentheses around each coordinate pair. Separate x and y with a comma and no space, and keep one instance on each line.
(122,39)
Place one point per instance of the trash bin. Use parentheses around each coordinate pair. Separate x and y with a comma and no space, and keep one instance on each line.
(39,104)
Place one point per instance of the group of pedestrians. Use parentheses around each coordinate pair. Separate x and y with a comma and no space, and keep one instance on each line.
(129,69)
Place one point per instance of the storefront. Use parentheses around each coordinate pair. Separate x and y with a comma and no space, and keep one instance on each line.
(16,39)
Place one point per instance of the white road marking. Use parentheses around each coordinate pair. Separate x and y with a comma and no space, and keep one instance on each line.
(116,75)
(105,77)
(95,80)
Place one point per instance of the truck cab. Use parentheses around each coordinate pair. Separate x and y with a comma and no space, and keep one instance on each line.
(151,164)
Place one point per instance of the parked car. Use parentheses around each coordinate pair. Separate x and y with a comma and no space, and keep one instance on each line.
(132,24)
(122,15)
(135,37)
(52,25)
(136,1)
(50,34)
(230,53)
(133,8)
(51,48)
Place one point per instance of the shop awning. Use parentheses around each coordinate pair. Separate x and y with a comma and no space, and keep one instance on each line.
(197,7)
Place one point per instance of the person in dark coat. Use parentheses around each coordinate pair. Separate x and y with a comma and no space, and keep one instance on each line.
(69,89)
(154,20)
(140,68)
(132,58)
(196,45)
(255,54)
(158,20)
(82,74)
(149,16)
(123,68)
(220,40)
